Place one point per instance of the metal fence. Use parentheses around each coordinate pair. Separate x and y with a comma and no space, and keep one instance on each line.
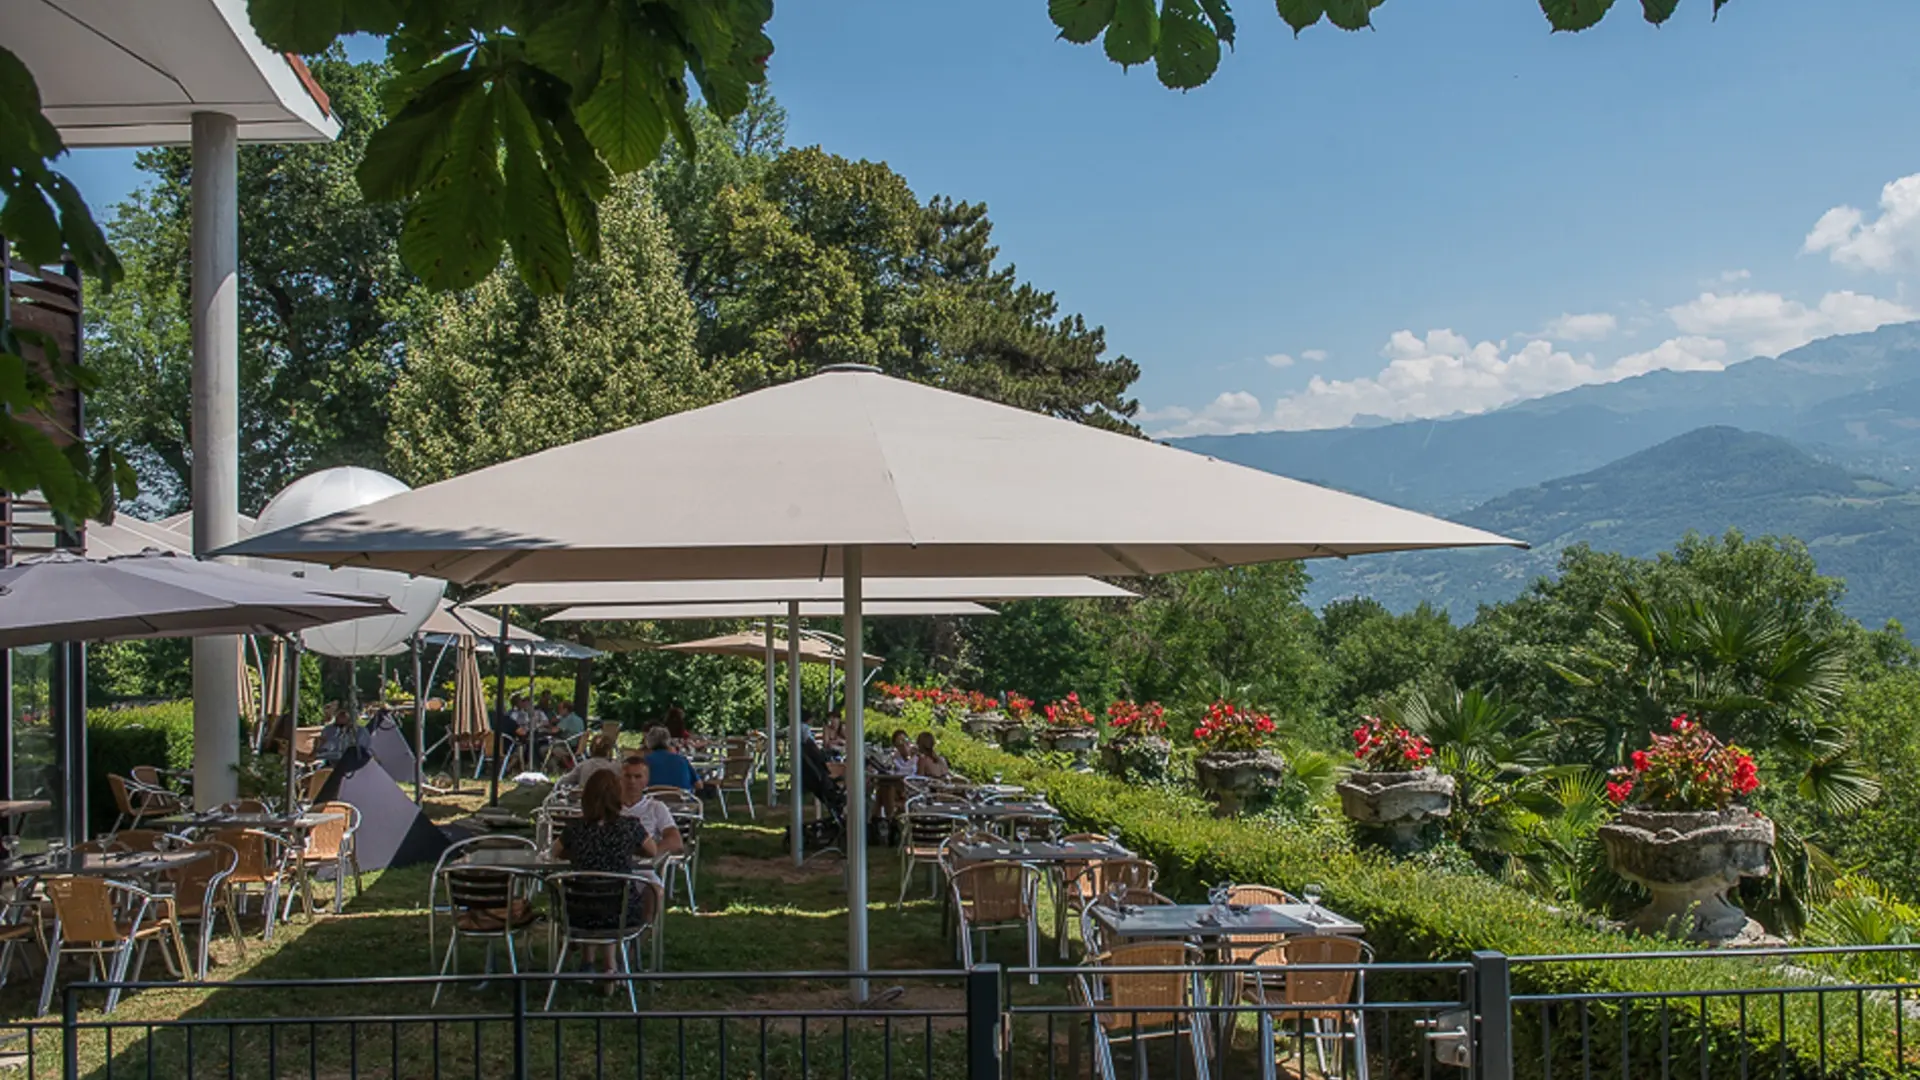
(1764,1013)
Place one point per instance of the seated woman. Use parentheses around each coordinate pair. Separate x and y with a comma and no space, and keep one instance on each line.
(931,765)
(905,760)
(601,760)
(604,840)
(833,736)
(675,722)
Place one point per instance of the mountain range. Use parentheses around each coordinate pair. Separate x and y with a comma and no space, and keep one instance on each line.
(1821,443)
(1853,400)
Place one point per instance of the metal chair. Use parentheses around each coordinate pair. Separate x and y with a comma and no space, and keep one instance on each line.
(926,833)
(200,895)
(1254,948)
(487,903)
(88,918)
(597,909)
(329,844)
(136,801)
(997,896)
(1092,883)
(1132,1007)
(263,860)
(736,775)
(1325,999)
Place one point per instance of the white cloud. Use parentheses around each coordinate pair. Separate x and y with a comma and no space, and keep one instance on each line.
(1731,276)
(1280,360)
(1674,354)
(1767,324)
(1235,410)
(1314,356)
(1439,374)
(1885,244)
(1597,326)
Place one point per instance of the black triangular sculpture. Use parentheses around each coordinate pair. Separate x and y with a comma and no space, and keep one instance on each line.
(393,831)
(391,750)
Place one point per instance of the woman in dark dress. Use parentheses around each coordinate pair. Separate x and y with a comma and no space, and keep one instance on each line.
(605,841)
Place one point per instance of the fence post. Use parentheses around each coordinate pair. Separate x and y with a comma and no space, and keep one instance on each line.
(1493,1006)
(69,1033)
(983,1022)
(521,1069)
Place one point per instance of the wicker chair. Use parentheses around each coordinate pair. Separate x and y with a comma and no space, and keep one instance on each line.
(925,835)
(594,909)
(1256,948)
(1132,1007)
(1092,883)
(143,840)
(736,775)
(200,896)
(263,860)
(135,801)
(997,896)
(330,845)
(112,922)
(1319,1005)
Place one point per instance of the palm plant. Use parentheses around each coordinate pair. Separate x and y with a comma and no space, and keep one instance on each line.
(1757,674)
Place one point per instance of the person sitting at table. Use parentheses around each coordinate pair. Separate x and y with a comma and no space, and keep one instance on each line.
(566,726)
(546,708)
(604,840)
(514,724)
(833,736)
(663,833)
(930,764)
(669,767)
(344,745)
(600,760)
(905,760)
(675,721)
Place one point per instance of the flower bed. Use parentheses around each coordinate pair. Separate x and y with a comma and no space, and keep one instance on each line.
(1415,913)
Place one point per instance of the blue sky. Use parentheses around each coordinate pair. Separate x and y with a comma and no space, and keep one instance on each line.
(1446,213)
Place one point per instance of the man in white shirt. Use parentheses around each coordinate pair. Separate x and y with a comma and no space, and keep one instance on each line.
(663,834)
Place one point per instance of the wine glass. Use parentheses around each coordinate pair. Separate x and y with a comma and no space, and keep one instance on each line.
(1219,895)
(1022,833)
(1117,894)
(1312,893)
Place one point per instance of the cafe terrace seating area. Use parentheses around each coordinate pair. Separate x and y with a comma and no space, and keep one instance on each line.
(982,871)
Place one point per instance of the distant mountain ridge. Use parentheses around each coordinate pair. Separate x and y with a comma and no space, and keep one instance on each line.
(1852,399)
(1859,528)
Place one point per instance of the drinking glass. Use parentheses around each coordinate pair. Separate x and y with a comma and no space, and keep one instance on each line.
(1312,894)
(1219,895)
(1022,833)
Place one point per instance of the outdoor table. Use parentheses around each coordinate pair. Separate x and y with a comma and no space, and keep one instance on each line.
(295,823)
(1204,921)
(997,811)
(110,864)
(1038,851)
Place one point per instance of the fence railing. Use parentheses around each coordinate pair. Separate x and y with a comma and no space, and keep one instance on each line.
(1736,1013)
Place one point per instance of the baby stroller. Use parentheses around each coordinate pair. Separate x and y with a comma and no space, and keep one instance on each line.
(829,831)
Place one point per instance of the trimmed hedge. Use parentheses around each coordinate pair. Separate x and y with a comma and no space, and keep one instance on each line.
(119,739)
(1415,913)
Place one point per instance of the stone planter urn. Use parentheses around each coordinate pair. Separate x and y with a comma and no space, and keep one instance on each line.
(1076,741)
(1689,860)
(1136,759)
(1013,735)
(893,706)
(1235,777)
(982,725)
(1395,806)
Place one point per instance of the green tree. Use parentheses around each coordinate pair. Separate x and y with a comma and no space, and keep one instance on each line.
(324,303)
(1239,633)
(1378,655)
(1044,649)
(500,372)
(803,259)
